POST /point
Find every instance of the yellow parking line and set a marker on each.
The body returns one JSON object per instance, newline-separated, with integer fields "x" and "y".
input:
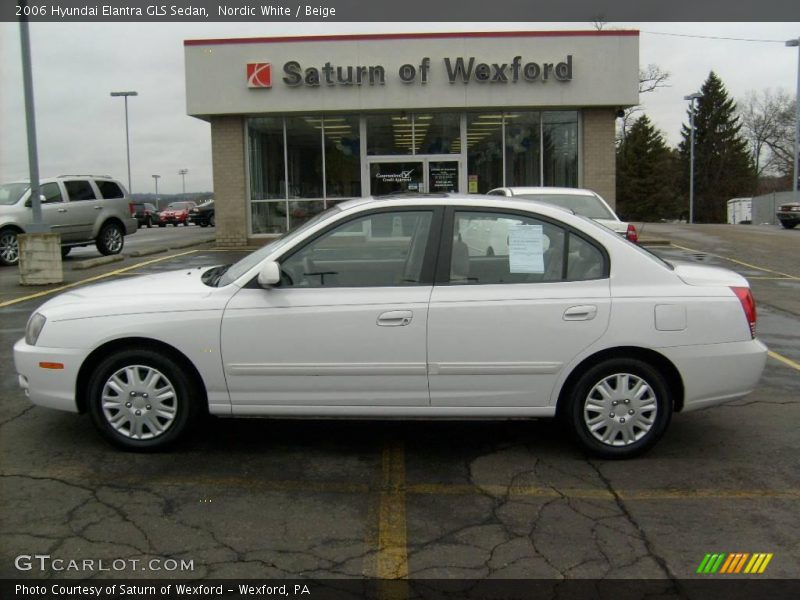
{"x": 392, "y": 559}
{"x": 787, "y": 361}
{"x": 91, "y": 279}
{"x": 738, "y": 262}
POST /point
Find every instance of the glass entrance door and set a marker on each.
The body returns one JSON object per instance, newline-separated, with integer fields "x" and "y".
{"x": 408, "y": 175}
{"x": 393, "y": 177}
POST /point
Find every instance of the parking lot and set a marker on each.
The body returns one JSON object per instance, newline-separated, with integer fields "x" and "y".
{"x": 472, "y": 500}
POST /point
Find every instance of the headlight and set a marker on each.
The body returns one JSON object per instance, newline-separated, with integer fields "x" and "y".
{"x": 34, "y": 328}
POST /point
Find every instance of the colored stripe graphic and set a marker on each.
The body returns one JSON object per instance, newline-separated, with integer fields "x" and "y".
{"x": 733, "y": 563}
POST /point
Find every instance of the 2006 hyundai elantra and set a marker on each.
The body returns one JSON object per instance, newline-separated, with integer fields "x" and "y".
{"x": 406, "y": 307}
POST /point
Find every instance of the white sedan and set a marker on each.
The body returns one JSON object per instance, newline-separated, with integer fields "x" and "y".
{"x": 381, "y": 309}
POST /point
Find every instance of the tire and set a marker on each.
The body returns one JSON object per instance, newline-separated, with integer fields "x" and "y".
{"x": 212, "y": 221}
{"x": 111, "y": 239}
{"x": 789, "y": 224}
{"x": 186, "y": 223}
{"x": 162, "y": 224}
{"x": 149, "y": 222}
{"x": 65, "y": 250}
{"x": 175, "y": 224}
{"x": 9, "y": 247}
{"x": 203, "y": 224}
{"x": 139, "y": 375}
{"x": 635, "y": 387}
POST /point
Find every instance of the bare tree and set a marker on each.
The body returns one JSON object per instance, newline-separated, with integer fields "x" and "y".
{"x": 768, "y": 121}
{"x": 651, "y": 78}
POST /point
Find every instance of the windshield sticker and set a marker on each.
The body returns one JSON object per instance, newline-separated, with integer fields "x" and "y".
{"x": 526, "y": 249}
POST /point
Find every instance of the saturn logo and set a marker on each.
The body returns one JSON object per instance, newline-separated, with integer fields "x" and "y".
{"x": 259, "y": 75}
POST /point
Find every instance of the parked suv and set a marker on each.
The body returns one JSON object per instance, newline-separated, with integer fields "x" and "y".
{"x": 789, "y": 214}
{"x": 145, "y": 213}
{"x": 84, "y": 209}
{"x": 203, "y": 214}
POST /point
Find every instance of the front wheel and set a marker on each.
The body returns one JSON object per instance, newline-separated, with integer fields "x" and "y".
{"x": 212, "y": 221}
{"x": 141, "y": 399}
{"x": 149, "y": 222}
{"x": 619, "y": 408}
{"x": 789, "y": 224}
{"x": 9, "y": 247}
{"x": 111, "y": 239}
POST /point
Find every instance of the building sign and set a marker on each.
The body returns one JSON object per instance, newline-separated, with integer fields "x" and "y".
{"x": 259, "y": 75}
{"x": 458, "y": 70}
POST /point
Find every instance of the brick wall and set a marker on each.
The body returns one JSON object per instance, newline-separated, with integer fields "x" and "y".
{"x": 599, "y": 157}
{"x": 227, "y": 153}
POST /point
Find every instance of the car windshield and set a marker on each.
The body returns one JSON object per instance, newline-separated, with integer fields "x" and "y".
{"x": 179, "y": 206}
{"x": 11, "y": 192}
{"x": 231, "y": 273}
{"x": 584, "y": 205}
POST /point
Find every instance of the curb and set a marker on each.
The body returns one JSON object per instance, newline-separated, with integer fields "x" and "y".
{"x": 96, "y": 262}
{"x": 137, "y": 253}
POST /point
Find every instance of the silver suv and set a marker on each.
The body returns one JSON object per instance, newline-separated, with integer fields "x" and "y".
{"x": 84, "y": 209}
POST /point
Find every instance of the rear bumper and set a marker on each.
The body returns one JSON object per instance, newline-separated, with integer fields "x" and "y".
{"x": 53, "y": 388}
{"x": 717, "y": 373}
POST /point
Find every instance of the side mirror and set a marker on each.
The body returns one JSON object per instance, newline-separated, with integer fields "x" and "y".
{"x": 269, "y": 275}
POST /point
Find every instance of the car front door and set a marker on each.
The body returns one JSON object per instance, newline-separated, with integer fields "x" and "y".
{"x": 82, "y": 207}
{"x": 347, "y": 325}
{"x": 516, "y": 299}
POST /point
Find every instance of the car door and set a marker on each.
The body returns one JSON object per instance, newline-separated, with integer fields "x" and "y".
{"x": 55, "y": 212}
{"x": 347, "y": 325}
{"x": 82, "y": 207}
{"x": 516, "y": 299}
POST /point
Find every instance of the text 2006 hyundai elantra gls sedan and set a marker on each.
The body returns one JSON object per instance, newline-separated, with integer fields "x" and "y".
{"x": 409, "y": 307}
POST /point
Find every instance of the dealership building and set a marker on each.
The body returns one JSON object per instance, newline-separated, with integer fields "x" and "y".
{"x": 301, "y": 123}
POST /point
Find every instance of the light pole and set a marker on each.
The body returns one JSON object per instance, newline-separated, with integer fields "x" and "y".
{"x": 691, "y": 98}
{"x": 127, "y": 136}
{"x": 156, "y": 178}
{"x": 182, "y": 173}
{"x": 796, "y": 43}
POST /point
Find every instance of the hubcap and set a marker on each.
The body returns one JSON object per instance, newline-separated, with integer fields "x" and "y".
{"x": 620, "y": 410}
{"x": 9, "y": 247}
{"x": 139, "y": 402}
{"x": 113, "y": 239}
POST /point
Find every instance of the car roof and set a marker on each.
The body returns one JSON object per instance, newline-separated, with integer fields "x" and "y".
{"x": 470, "y": 200}
{"x": 550, "y": 190}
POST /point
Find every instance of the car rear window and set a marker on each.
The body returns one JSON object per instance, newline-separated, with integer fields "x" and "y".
{"x": 109, "y": 189}
{"x": 584, "y": 205}
{"x": 79, "y": 190}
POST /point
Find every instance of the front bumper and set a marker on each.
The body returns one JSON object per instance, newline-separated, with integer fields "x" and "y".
{"x": 53, "y": 388}
{"x": 717, "y": 373}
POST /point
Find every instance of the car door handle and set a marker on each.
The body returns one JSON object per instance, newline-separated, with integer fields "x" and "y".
{"x": 395, "y": 318}
{"x": 62, "y": 210}
{"x": 98, "y": 208}
{"x": 585, "y": 312}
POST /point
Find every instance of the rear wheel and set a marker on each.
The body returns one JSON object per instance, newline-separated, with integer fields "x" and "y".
{"x": 619, "y": 408}
{"x": 149, "y": 222}
{"x": 789, "y": 224}
{"x": 111, "y": 239}
{"x": 65, "y": 250}
{"x": 212, "y": 221}
{"x": 141, "y": 399}
{"x": 9, "y": 247}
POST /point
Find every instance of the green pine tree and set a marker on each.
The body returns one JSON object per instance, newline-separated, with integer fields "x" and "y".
{"x": 723, "y": 166}
{"x": 646, "y": 170}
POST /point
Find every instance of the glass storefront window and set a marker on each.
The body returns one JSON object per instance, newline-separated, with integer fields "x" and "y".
{"x": 268, "y": 217}
{"x": 484, "y": 151}
{"x": 342, "y": 157}
{"x": 389, "y": 134}
{"x": 267, "y": 174}
{"x": 522, "y": 149}
{"x": 437, "y": 133}
{"x": 301, "y": 211}
{"x": 560, "y": 133}
{"x": 304, "y": 150}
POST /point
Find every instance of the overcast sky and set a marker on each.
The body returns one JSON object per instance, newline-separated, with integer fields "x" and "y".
{"x": 81, "y": 129}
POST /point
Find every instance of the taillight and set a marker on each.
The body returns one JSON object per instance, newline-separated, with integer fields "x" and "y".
{"x": 748, "y": 305}
{"x": 632, "y": 235}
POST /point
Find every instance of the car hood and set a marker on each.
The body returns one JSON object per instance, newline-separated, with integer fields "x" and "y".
{"x": 173, "y": 291}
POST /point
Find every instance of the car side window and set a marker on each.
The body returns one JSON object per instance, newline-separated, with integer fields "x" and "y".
{"x": 79, "y": 190}
{"x": 109, "y": 189}
{"x": 493, "y": 248}
{"x": 381, "y": 249}
{"x": 51, "y": 193}
{"x": 584, "y": 261}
